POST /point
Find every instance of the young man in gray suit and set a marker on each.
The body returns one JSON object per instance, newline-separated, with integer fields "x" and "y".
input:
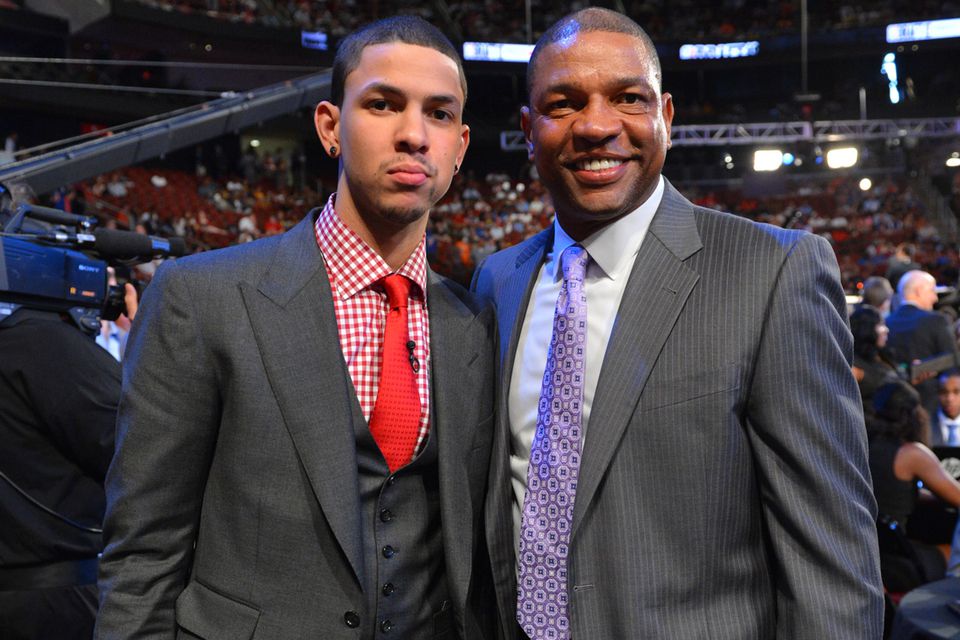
{"x": 294, "y": 456}
{"x": 680, "y": 450}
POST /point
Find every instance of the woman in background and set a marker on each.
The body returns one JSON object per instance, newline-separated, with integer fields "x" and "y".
{"x": 898, "y": 433}
{"x": 871, "y": 366}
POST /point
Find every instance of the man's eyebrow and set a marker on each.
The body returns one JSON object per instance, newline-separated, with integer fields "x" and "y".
{"x": 626, "y": 81}
{"x": 383, "y": 87}
{"x": 390, "y": 90}
{"x": 443, "y": 98}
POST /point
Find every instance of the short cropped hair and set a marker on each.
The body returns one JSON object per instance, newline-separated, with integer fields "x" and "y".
{"x": 406, "y": 29}
{"x": 946, "y": 375}
{"x": 586, "y": 21}
{"x": 876, "y": 291}
{"x": 908, "y": 249}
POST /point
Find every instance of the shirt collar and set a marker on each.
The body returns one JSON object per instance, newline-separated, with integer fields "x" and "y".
{"x": 353, "y": 265}
{"x": 944, "y": 420}
{"x": 614, "y": 247}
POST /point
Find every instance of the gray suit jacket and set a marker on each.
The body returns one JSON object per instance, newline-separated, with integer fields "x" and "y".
{"x": 724, "y": 488}
{"x": 233, "y": 508}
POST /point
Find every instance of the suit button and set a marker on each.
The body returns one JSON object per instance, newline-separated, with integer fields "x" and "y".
{"x": 388, "y": 589}
{"x": 386, "y": 626}
{"x": 388, "y": 551}
{"x": 351, "y": 619}
{"x": 391, "y": 480}
{"x": 386, "y": 515}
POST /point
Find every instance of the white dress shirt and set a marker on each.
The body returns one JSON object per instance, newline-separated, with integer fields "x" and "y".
{"x": 945, "y": 428}
{"x": 612, "y": 250}
{"x": 112, "y": 338}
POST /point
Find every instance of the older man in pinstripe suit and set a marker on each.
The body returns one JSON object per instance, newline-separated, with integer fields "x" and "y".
{"x": 681, "y": 451}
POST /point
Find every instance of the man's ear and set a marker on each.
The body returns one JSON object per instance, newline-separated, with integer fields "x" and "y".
{"x": 667, "y": 109}
{"x": 464, "y": 143}
{"x": 527, "y": 131}
{"x": 326, "y": 119}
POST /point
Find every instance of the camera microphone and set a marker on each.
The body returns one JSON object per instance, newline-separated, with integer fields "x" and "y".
{"x": 113, "y": 243}
{"x": 119, "y": 245}
{"x": 53, "y": 216}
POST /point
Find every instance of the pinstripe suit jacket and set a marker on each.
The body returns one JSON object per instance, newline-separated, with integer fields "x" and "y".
{"x": 724, "y": 488}
{"x": 233, "y": 498}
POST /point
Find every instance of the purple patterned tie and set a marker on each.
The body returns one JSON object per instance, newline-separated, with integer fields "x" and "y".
{"x": 555, "y": 463}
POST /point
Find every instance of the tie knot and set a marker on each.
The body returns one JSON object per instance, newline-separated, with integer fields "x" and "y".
{"x": 574, "y": 263}
{"x": 398, "y": 290}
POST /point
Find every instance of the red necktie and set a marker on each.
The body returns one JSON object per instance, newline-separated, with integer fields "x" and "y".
{"x": 395, "y": 421}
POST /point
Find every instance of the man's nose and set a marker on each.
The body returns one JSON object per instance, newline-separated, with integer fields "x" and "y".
{"x": 411, "y": 135}
{"x": 598, "y": 121}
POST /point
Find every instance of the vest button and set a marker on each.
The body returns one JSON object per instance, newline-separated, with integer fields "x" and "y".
{"x": 388, "y": 589}
{"x": 386, "y": 626}
{"x": 386, "y": 515}
{"x": 388, "y": 551}
{"x": 351, "y": 619}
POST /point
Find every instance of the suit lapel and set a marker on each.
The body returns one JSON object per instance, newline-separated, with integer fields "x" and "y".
{"x": 456, "y": 339}
{"x": 512, "y": 302}
{"x": 512, "y": 299}
{"x": 655, "y": 294}
{"x": 291, "y": 312}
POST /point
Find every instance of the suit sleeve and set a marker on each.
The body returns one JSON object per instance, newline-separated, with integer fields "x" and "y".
{"x": 942, "y": 335}
{"x": 804, "y": 418}
{"x": 166, "y": 430}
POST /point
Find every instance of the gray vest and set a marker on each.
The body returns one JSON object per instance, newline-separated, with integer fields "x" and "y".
{"x": 405, "y": 581}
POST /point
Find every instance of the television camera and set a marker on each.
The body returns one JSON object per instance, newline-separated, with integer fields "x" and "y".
{"x": 55, "y": 261}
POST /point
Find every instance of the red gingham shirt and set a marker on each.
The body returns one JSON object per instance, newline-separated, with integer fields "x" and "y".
{"x": 361, "y": 309}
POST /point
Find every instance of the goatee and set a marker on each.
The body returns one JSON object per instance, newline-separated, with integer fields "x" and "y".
{"x": 403, "y": 216}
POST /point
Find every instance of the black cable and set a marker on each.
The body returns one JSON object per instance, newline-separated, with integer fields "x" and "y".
{"x": 47, "y": 509}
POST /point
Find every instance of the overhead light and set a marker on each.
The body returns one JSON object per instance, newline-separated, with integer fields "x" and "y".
{"x": 953, "y": 162}
{"x": 842, "y": 157}
{"x": 865, "y": 184}
{"x": 788, "y": 158}
{"x": 254, "y": 143}
{"x": 767, "y": 159}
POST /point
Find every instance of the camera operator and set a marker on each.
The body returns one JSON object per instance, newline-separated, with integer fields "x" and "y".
{"x": 113, "y": 333}
{"x": 59, "y": 392}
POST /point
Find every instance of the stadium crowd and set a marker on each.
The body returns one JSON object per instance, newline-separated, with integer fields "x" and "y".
{"x": 484, "y": 213}
{"x": 503, "y": 20}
